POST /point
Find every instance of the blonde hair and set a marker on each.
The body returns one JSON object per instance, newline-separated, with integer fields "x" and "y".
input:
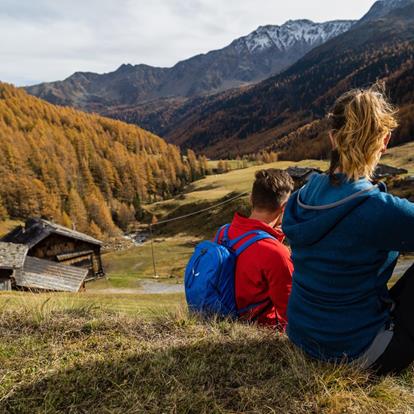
{"x": 360, "y": 120}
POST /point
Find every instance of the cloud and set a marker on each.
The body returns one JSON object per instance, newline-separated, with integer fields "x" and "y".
{"x": 47, "y": 40}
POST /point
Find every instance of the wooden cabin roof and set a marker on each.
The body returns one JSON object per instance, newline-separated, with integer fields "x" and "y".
{"x": 47, "y": 275}
{"x": 36, "y": 230}
{"x": 12, "y": 255}
{"x": 383, "y": 171}
{"x": 300, "y": 173}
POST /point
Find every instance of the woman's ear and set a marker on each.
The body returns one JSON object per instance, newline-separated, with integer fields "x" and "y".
{"x": 332, "y": 139}
{"x": 386, "y": 142}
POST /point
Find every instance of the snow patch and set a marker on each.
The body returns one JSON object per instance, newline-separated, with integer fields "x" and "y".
{"x": 291, "y": 34}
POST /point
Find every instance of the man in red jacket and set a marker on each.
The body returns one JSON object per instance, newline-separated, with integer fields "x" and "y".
{"x": 264, "y": 270}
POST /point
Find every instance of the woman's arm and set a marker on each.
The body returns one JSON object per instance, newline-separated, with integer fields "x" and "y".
{"x": 393, "y": 223}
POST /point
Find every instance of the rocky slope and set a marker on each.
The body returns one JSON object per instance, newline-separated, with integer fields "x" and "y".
{"x": 243, "y": 121}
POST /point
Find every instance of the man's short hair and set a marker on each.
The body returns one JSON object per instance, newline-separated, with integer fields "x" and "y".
{"x": 271, "y": 188}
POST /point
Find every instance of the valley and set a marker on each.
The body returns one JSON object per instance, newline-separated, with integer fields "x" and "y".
{"x": 174, "y": 242}
{"x": 113, "y": 179}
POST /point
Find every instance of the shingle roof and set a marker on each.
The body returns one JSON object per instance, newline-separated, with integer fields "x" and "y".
{"x": 383, "y": 171}
{"x": 43, "y": 274}
{"x": 36, "y": 230}
{"x": 301, "y": 172}
{"x": 12, "y": 255}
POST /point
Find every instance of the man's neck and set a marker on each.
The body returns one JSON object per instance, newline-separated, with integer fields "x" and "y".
{"x": 266, "y": 217}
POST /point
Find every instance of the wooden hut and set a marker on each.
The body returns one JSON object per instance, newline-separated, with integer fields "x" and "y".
{"x": 53, "y": 242}
{"x": 386, "y": 171}
{"x": 38, "y": 274}
{"x": 301, "y": 174}
{"x": 12, "y": 257}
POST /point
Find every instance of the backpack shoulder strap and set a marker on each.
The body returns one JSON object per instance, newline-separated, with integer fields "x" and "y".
{"x": 258, "y": 235}
{"x": 225, "y": 237}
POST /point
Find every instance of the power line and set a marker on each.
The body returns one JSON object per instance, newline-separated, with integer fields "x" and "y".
{"x": 199, "y": 211}
{"x": 183, "y": 217}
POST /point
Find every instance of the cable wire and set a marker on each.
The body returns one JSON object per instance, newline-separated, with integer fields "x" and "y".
{"x": 199, "y": 211}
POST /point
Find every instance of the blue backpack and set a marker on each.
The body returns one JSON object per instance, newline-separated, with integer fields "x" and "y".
{"x": 210, "y": 274}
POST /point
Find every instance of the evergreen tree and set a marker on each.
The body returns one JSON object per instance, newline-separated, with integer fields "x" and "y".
{"x": 136, "y": 203}
{"x": 77, "y": 211}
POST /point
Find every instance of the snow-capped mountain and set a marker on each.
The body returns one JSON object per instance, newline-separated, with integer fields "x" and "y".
{"x": 292, "y": 33}
{"x": 259, "y": 55}
{"x": 382, "y": 7}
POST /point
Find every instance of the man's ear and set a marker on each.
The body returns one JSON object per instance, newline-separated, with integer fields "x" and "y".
{"x": 283, "y": 206}
{"x": 332, "y": 139}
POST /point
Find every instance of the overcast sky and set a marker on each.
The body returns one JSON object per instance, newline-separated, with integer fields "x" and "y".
{"x": 46, "y": 40}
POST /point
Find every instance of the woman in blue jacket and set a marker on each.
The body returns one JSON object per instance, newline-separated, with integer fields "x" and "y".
{"x": 346, "y": 235}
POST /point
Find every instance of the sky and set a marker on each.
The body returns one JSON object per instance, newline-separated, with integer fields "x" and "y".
{"x": 47, "y": 40}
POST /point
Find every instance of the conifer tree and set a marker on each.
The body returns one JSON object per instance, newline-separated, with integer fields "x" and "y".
{"x": 77, "y": 211}
{"x": 56, "y": 160}
{"x": 136, "y": 202}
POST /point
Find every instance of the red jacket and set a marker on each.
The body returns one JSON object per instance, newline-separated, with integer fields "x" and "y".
{"x": 263, "y": 271}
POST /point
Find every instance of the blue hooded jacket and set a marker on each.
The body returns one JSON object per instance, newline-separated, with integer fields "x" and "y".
{"x": 345, "y": 242}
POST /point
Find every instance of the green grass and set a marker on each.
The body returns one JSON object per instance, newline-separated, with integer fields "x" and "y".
{"x": 66, "y": 358}
{"x": 126, "y": 268}
{"x": 215, "y": 187}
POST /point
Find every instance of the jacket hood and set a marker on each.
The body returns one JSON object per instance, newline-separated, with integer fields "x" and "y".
{"x": 314, "y": 210}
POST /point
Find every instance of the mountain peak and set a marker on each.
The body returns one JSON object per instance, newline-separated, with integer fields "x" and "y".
{"x": 382, "y": 7}
{"x": 290, "y": 34}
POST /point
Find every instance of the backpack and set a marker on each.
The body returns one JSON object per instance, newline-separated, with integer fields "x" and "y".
{"x": 210, "y": 274}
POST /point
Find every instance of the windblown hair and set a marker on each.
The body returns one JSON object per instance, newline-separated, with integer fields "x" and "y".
{"x": 360, "y": 120}
{"x": 271, "y": 188}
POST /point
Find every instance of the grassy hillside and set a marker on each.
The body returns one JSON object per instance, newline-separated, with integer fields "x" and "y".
{"x": 215, "y": 187}
{"x": 82, "y": 358}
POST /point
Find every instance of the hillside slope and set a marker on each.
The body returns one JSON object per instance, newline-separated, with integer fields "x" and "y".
{"x": 248, "y": 120}
{"x": 80, "y": 169}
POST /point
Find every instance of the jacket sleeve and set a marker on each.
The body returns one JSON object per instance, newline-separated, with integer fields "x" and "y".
{"x": 279, "y": 278}
{"x": 393, "y": 223}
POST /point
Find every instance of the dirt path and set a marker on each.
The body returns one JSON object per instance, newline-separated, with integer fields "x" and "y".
{"x": 149, "y": 287}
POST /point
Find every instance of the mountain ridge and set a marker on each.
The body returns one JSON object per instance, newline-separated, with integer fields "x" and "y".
{"x": 250, "y": 120}
{"x": 249, "y": 59}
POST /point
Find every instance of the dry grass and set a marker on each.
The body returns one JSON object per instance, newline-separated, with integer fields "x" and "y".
{"x": 82, "y": 359}
{"x": 401, "y": 157}
{"x": 8, "y": 225}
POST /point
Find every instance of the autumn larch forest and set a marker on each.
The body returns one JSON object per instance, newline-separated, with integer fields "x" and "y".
{"x": 82, "y": 170}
